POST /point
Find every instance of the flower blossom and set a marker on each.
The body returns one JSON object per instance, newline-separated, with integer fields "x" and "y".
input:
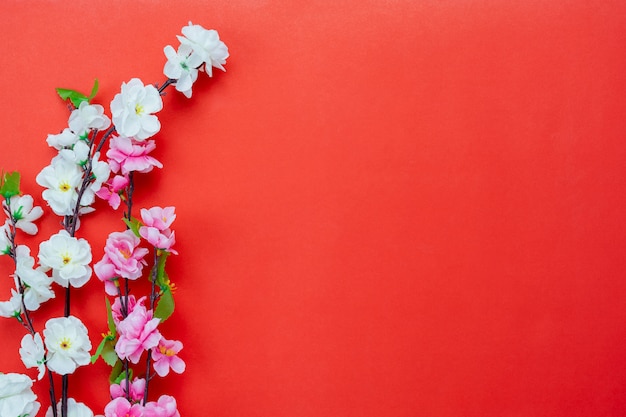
{"x": 86, "y": 117}
{"x": 68, "y": 257}
{"x": 133, "y": 109}
{"x": 182, "y": 66}
{"x": 156, "y": 229}
{"x": 123, "y": 256}
{"x": 17, "y": 397}
{"x": 127, "y": 155}
{"x": 68, "y": 344}
{"x": 207, "y": 45}
{"x": 37, "y": 284}
{"x": 137, "y": 389}
{"x": 137, "y": 332}
{"x": 32, "y": 353}
{"x": 13, "y": 307}
{"x": 116, "y": 307}
{"x": 164, "y": 407}
{"x": 120, "y": 407}
{"x": 165, "y": 357}
{"x": 74, "y": 409}
{"x": 111, "y": 192}
{"x": 61, "y": 179}
{"x": 5, "y": 241}
{"x": 65, "y": 139}
{"x": 25, "y": 213}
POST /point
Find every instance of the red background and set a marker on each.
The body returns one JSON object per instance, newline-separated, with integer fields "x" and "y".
{"x": 385, "y": 208}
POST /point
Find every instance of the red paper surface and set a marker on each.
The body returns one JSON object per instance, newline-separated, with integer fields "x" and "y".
{"x": 391, "y": 208}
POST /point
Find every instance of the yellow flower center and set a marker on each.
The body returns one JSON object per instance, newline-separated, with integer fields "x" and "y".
{"x": 66, "y": 259}
{"x": 165, "y": 351}
{"x": 65, "y": 343}
{"x": 125, "y": 253}
{"x": 64, "y": 186}
{"x": 138, "y": 109}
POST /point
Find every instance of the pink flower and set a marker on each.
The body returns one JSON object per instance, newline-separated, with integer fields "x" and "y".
{"x": 137, "y": 332}
{"x": 161, "y": 218}
{"x": 137, "y": 388}
{"x": 165, "y": 357}
{"x": 127, "y": 155}
{"x": 161, "y": 240}
{"x": 112, "y": 190}
{"x": 122, "y": 252}
{"x": 116, "y": 308}
{"x": 105, "y": 271}
{"x": 120, "y": 407}
{"x": 164, "y": 407}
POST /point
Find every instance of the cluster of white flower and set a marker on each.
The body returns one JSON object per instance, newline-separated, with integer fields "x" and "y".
{"x": 72, "y": 180}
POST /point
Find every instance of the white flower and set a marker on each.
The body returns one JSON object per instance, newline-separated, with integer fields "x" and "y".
{"x": 24, "y": 213}
{"x": 16, "y": 396}
{"x": 74, "y": 409}
{"x": 37, "y": 283}
{"x": 65, "y": 139}
{"x": 207, "y": 44}
{"x": 78, "y": 154}
{"x": 182, "y": 66}
{"x": 68, "y": 344}
{"x": 11, "y": 308}
{"x": 68, "y": 257}
{"x": 88, "y": 116}
{"x": 32, "y": 353}
{"x": 61, "y": 180}
{"x": 132, "y": 110}
{"x": 5, "y": 242}
{"x": 100, "y": 171}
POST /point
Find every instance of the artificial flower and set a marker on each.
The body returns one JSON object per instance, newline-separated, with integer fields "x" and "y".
{"x": 160, "y": 240}
{"x": 159, "y": 218}
{"x": 165, "y": 356}
{"x": 37, "y": 284}
{"x": 16, "y": 396}
{"x": 61, "y": 179}
{"x": 133, "y": 109}
{"x": 120, "y": 407}
{"x": 164, "y": 407}
{"x": 13, "y": 307}
{"x": 182, "y": 66}
{"x": 65, "y": 139}
{"x": 130, "y": 302}
{"x": 68, "y": 344}
{"x": 127, "y": 155}
{"x": 207, "y": 45}
{"x": 5, "y": 241}
{"x": 112, "y": 190}
{"x": 77, "y": 154}
{"x": 86, "y": 117}
{"x": 25, "y": 213}
{"x": 68, "y": 257}
{"x": 74, "y": 409}
{"x": 122, "y": 251}
{"x": 137, "y": 333}
{"x": 32, "y": 353}
{"x": 137, "y": 389}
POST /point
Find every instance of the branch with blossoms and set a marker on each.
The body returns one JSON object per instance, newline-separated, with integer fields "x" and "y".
{"x": 80, "y": 172}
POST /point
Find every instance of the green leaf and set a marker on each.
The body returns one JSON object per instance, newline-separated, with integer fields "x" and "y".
{"x": 122, "y": 376}
{"x": 112, "y": 329}
{"x": 94, "y": 89}
{"x": 72, "y": 95}
{"x": 162, "y": 278}
{"x": 165, "y": 306}
{"x": 96, "y": 355}
{"x": 10, "y": 184}
{"x": 108, "y": 352}
{"x": 118, "y": 369}
{"x": 133, "y": 224}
